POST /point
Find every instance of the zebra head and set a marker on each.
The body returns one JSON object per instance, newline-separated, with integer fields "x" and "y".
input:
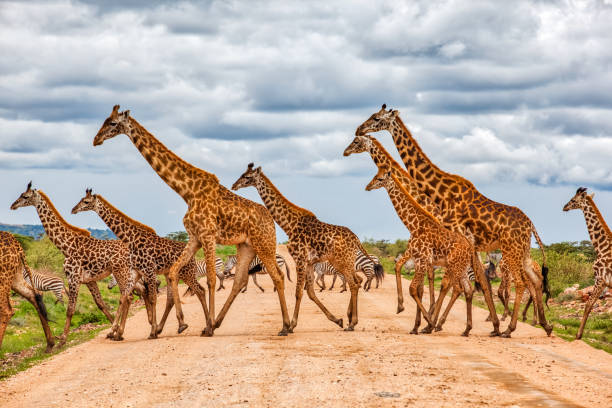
{"x": 381, "y": 120}
{"x": 27, "y": 198}
{"x": 87, "y": 203}
{"x": 249, "y": 178}
{"x": 382, "y": 179}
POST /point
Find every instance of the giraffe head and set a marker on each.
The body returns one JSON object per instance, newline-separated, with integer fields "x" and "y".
{"x": 116, "y": 124}
{"x": 380, "y": 120}
{"x": 579, "y": 201}
{"x": 360, "y": 144}
{"x": 27, "y": 198}
{"x": 87, "y": 203}
{"x": 248, "y": 178}
{"x": 381, "y": 179}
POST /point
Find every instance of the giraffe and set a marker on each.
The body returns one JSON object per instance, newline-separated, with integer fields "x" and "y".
{"x": 12, "y": 266}
{"x": 430, "y": 243}
{"x": 150, "y": 254}
{"x": 600, "y": 237}
{"x": 214, "y": 214}
{"x": 86, "y": 261}
{"x": 491, "y": 225}
{"x": 382, "y": 159}
{"x": 310, "y": 241}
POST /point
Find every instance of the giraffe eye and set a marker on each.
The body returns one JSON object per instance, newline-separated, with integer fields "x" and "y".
{"x": 113, "y": 123}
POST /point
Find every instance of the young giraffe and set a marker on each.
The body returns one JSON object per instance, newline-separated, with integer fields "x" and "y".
{"x": 12, "y": 265}
{"x": 382, "y": 159}
{"x": 491, "y": 225}
{"x": 601, "y": 236}
{"x": 86, "y": 261}
{"x": 214, "y": 214}
{"x": 150, "y": 254}
{"x": 430, "y": 243}
{"x": 310, "y": 241}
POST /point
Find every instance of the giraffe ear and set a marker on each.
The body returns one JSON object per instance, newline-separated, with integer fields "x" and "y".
{"x": 126, "y": 114}
{"x": 592, "y": 195}
{"x": 115, "y": 110}
{"x": 258, "y": 169}
{"x": 29, "y": 186}
{"x": 384, "y": 106}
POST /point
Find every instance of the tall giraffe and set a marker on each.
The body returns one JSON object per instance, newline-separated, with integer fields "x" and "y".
{"x": 310, "y": 241}
{"x": 86, "y": 261}
{"x": 12, "y": 266}
{"x": 601, "y": 236}
{"x": 491, "y": 225}
{"x": 430, "y": 243}
{"x": 149, "y": 253}
{"x": 214, "y": 214}
{"x": 382, "y": 159}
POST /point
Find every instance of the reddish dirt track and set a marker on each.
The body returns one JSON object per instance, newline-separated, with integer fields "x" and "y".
{"x": 380, "y": 364}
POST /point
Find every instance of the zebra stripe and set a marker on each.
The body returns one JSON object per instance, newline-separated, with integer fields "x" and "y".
{"x": 325, "y": 268}
{"x": 46, "y": 282}
{"x": 256, "y": 265}
{"x": 370, "y": 266}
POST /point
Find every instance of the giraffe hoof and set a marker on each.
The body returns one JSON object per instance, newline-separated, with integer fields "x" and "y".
{"x": 153, "y": 336}
{"x": 340, "y": 323}
{"x": 466, "y": 333}
{"x": 507, "y": 334}
{"x": 495, "y": 333}
{"x": 400, "y": 309}
{"x": 110, "y": 335}
{"x": 548, "y": 330}
{"x": 488, "y": 319}
{"x": 438, "y": 328}
{"x": 282, "y": 332}
{"x": 414, "y": 331}
{"x": 49, "y": 349}
{"x": 427, "y": 330}
{"x": 182, "y": 328}
{"x": 349, "y": 328}
{"x": 206, "y": 333}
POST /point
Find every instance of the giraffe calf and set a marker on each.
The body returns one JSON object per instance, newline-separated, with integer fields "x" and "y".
{"x": 430, "y": 243}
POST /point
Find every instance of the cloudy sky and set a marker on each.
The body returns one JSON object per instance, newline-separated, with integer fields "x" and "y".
{"x": 516, "y": 96}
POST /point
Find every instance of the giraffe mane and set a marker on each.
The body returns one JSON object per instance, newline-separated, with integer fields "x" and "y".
{"x": 432, "y": 164}
{"x": 289, "y": 203}
{"x": 71, "y": 227}
{"x": 599, "y": 216}
{"x": 413, "y": 201}
{"x": 125, "y": 216}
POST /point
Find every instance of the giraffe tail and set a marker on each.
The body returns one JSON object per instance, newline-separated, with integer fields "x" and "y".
{"x": 545, "y": 285}
{"x": 541, "y": 245}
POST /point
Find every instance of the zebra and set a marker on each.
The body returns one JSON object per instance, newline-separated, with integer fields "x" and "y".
{"x": 46, "y": 282}
{"x": 139, "y": 288}
{"x": 370, "y": 266}
{"x": 201, "y": 271}
{"x": 325, "y": 268}
{"x": 255, "y": 267}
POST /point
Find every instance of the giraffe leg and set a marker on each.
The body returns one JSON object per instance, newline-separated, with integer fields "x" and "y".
{"x": 343, "y": 279}
{"x": 169, "y": 306}
{"x": 190, "y": 249}
{"x": 518, "y": 295}
{"x": 313, "y": 296}
{"x": 526, "y": 308}
{"x": 599, "y": 287}
{"x": 6, "y": 312}
{"x": 208, "y": 246}
{"x": 504, "y": 295}
{"x": 150, "y": 297}
{"x": 246, "y": 284}
{"x": 431, "y": 276}
{"x": 25, "y": 291}
{"x": 536, "y": 283}
{"x": 270, "y": 265}
{"x": 398, "y": 282}
{"x": 416, "y": 291}
{"x": 73, "y": 292}
{"x": 482, "y": 279}
{"x": 353, "y": 304}
{"x": 444, "y": 288}
{"x": 300, "y": 271}
{"x": 95, "y": 293}
{"x": 245, "y": 254}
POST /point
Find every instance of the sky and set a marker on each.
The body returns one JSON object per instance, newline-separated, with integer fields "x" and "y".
{"x": 515, "y": 96}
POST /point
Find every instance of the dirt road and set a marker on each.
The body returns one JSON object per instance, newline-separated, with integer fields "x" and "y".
{"x": 380, "y": 364}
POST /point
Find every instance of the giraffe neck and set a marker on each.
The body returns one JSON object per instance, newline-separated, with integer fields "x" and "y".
{"x": 410, "y": 212}
{"x": 420, "y": 168}
{"x": 285, "y": 213}
{"x": 124, "y": 227}
{"x": 181, "y": 176}
{"x": 382, "y": 158}
{"x": 57, "y": 229}
{"x": 598, "y": 229}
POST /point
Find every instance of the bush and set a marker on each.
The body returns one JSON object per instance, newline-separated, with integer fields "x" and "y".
{"x": 566, "y": 269}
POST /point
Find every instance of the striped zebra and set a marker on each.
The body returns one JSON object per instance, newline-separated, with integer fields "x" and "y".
{"x": 201, "y": 271}
{"x": 139, "y": 288}
{"x": 325, "y": 268}
{"x": 46, "y": 282}
{"x": 255, "y": 267}
{"x": 369, "y": 265}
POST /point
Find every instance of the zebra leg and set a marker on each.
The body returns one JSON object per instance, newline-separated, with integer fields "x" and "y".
{"x": 255, "y": 282}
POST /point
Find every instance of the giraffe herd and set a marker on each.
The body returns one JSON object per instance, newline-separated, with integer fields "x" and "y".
{"x": 448, "y": 219}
